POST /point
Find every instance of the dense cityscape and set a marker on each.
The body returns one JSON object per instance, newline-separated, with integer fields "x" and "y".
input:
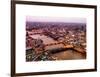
{"x": 55, "y": 41}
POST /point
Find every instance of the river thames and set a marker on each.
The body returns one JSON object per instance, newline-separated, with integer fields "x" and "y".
{"x": 63, "y": 55}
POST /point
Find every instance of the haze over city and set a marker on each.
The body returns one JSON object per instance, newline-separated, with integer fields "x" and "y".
{"x": 55, "y": 19}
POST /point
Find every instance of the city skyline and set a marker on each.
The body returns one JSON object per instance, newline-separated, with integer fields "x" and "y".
{"x": 47, "y": 40}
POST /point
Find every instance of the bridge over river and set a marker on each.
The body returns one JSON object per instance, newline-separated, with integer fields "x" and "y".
{"x": 62, "y": 49}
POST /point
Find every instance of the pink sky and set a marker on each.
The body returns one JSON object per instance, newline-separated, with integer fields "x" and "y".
{"x": 55, "y": 19}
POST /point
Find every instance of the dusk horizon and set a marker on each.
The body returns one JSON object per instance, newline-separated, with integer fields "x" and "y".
{"x": 56, "y": 19}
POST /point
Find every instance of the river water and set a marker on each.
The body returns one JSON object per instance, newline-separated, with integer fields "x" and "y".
{"x": 64, "y": 55}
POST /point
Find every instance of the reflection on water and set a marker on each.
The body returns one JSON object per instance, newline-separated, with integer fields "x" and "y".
{"x": 68, "y": 55}
{"x": 64, "y": 55}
